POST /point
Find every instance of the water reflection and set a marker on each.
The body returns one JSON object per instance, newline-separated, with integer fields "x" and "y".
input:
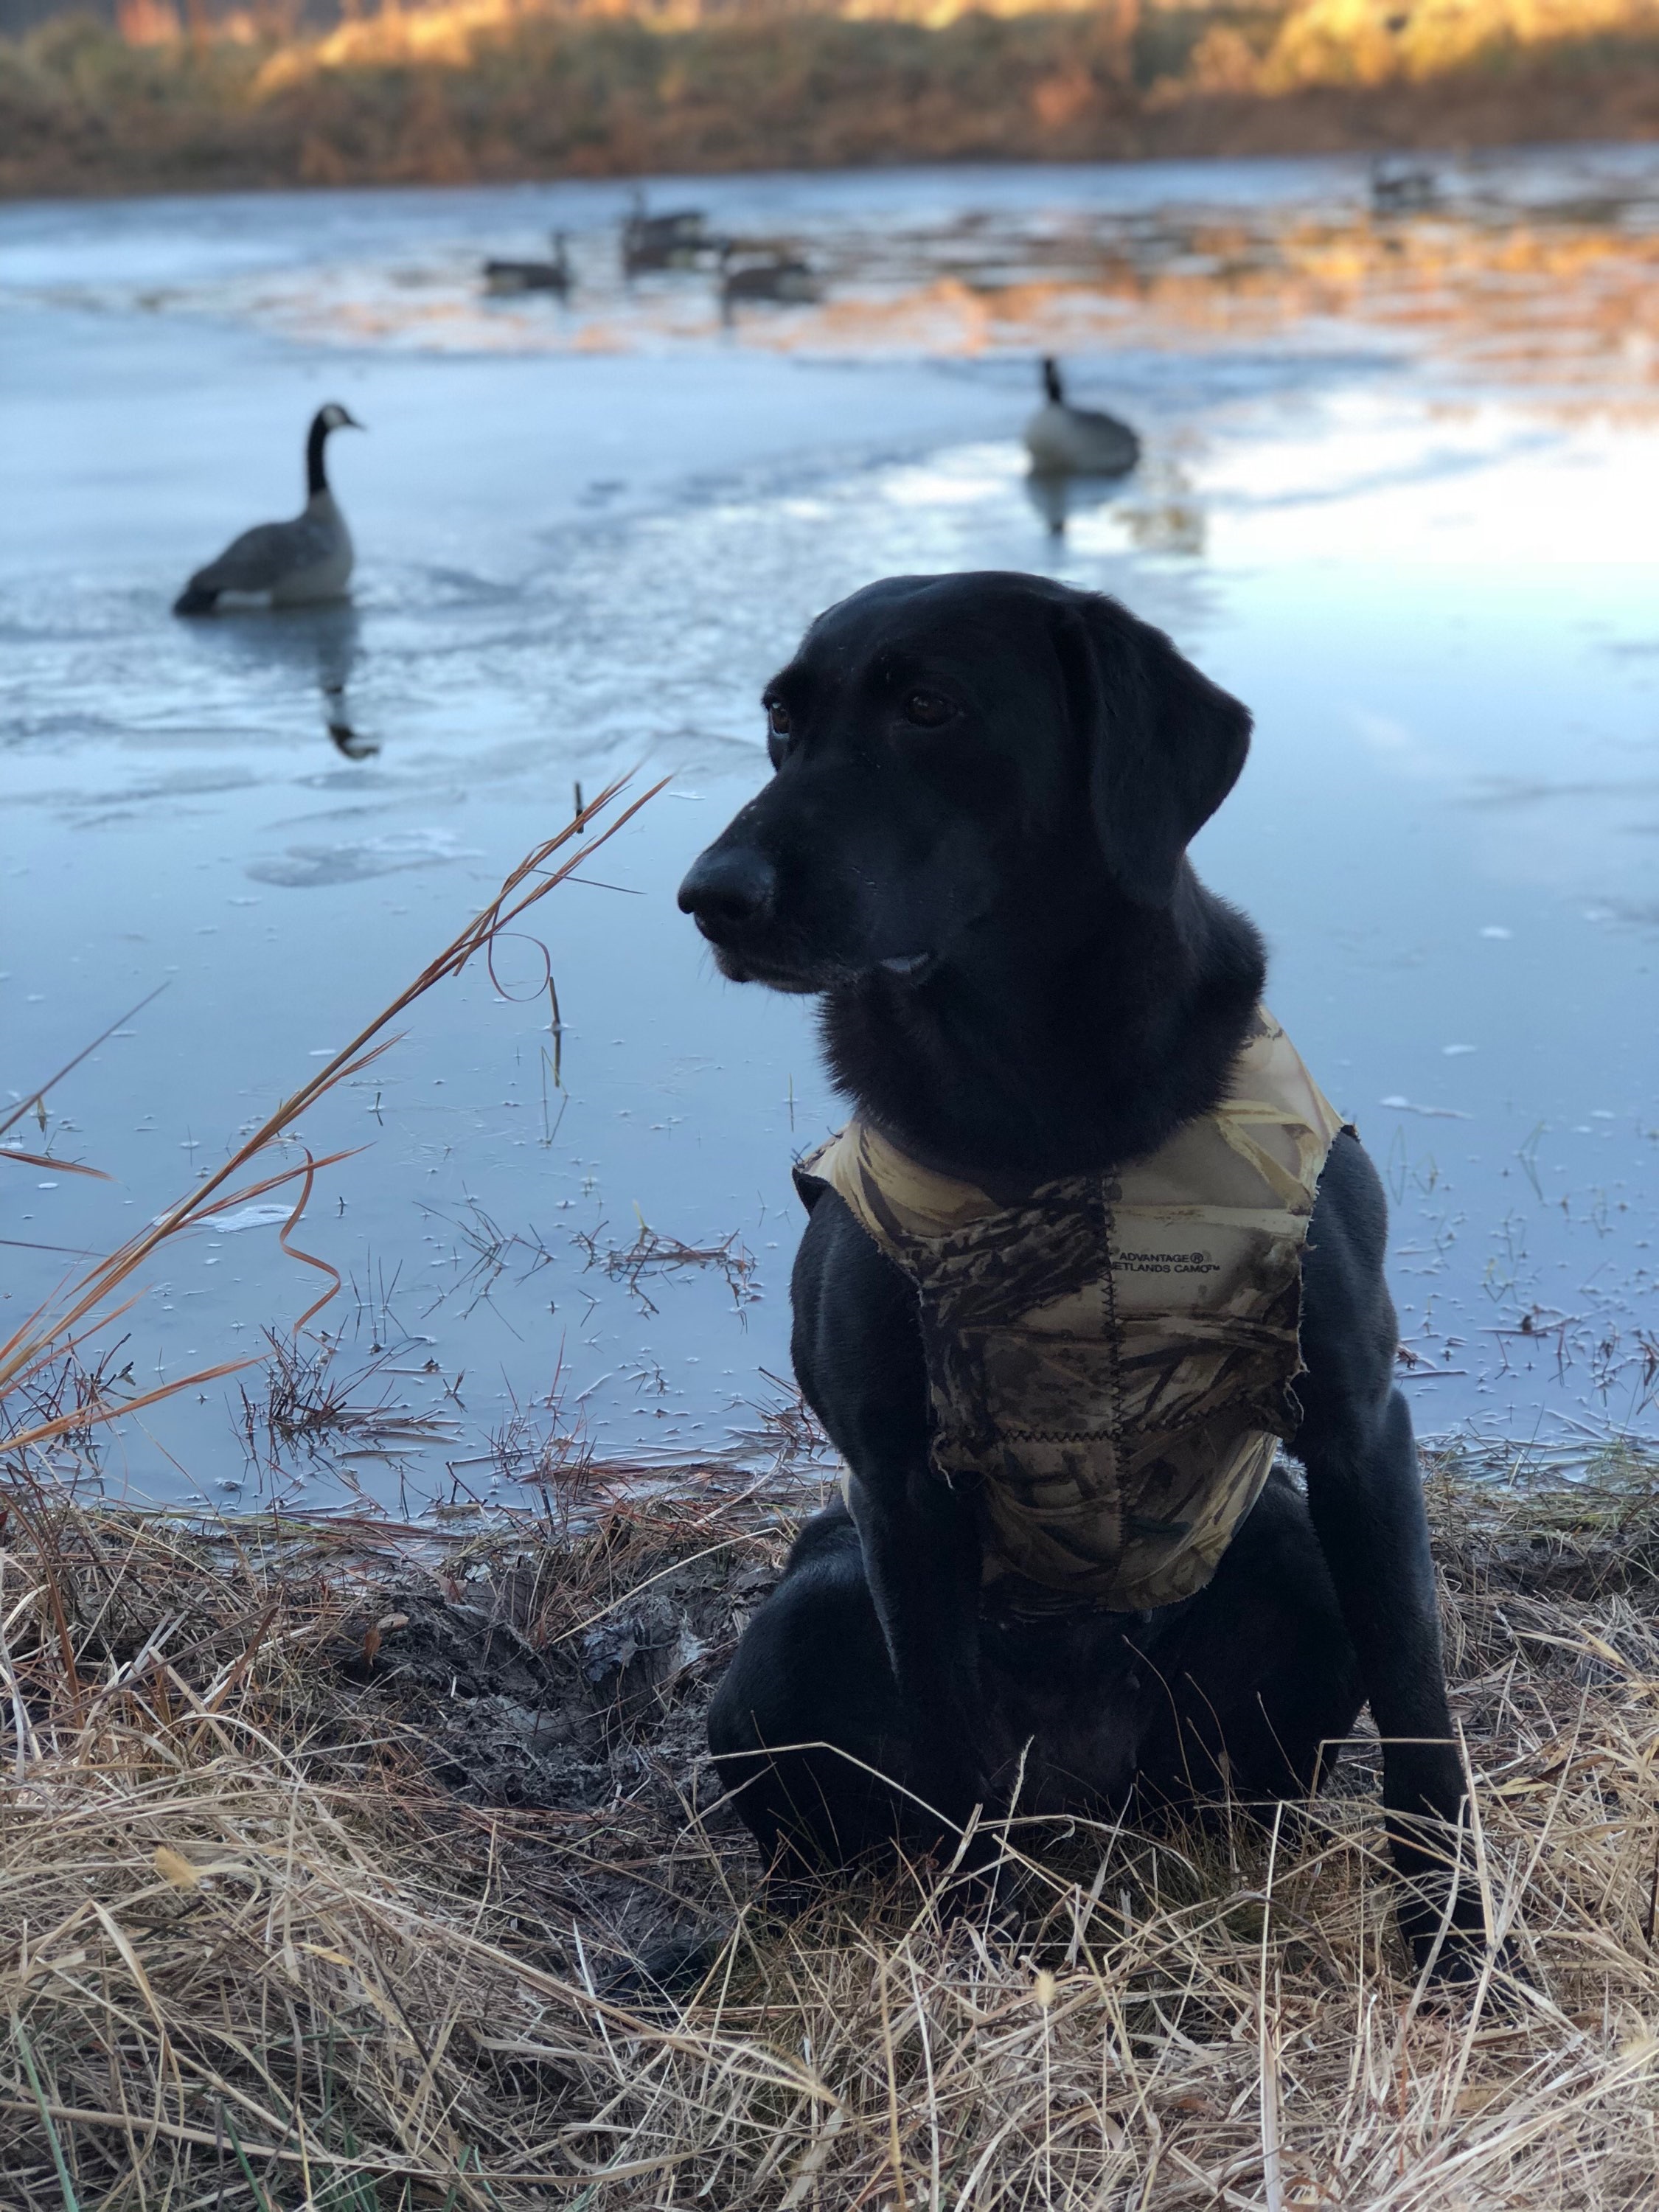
{"x": 336, "y": 633}
{"x": 1471, "y": 260}
{"x": 1438, "y": 606}
{"x": 316, "y": 646}
{"x": 1058, "y": 498}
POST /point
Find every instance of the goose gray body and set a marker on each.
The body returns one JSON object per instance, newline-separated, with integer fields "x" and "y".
{"x": 554, "y": 276}
{"x": 784, "y": 277}
{"x": 285, "y": 564}
{"x": 675, "y": 240}
{"x": 1399, "y": 188}
{"x": 1085, "y": 441}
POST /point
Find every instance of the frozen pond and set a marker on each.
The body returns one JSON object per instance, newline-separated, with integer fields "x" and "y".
{"x": 1398, "y": 494}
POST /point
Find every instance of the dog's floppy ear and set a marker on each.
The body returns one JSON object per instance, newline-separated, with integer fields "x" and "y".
{"x": 1164, "y": 745}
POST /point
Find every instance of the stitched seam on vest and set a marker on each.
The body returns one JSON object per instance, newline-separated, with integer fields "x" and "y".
{"x": 1056, "y": 1435}
{"x": 1114, "y": 1335}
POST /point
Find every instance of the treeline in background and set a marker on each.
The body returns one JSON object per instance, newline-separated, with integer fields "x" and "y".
{"x": 183, "y": 94}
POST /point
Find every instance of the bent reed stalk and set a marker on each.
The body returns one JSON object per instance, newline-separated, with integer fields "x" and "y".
{"x": 54, "y": 1330}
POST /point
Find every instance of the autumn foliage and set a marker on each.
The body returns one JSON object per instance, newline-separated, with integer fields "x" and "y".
{"x": 487, "y": 90}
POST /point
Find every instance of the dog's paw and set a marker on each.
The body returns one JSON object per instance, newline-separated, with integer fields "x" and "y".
{"x": 663, "y": 1973}
{"x": 1453, "y": 1964}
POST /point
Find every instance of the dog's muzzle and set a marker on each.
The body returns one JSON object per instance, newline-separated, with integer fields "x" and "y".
{"x": 730, "y": 891}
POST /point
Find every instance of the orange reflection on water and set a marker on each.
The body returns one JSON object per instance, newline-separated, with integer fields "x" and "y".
{"x": 1569, "y": 304}
{"x": 1562, "y": 300}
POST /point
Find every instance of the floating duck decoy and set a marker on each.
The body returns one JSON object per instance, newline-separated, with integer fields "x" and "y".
{"x": 1398, "y": 187}
{"x": 784, "y": 277}
{"x": 1084, "y": 441}
{"x": 554, "y": 276}
{"x": 676, "y": 240}
{"x": 285, "y": 564}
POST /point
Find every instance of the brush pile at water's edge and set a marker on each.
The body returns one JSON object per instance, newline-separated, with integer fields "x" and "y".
{"x": 327, "y": 1849}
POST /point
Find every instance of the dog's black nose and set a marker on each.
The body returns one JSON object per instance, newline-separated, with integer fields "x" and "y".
{"x": 728, "y": 890}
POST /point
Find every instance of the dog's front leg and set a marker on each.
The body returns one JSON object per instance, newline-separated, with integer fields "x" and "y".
{"x": 1365, "y": 1495}
{"x": 1366, "y": 1498}
{"x": 921, "y": 1556}
{"x": 858, "y": 1355}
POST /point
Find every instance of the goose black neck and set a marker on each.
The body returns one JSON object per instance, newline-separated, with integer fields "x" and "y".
{"x": 1051, "y": 383}
{"x": 316, "y": 473}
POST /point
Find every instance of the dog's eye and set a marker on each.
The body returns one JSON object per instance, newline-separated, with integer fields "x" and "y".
{"x": 927, "y": 710}
{"x": 777, "y": 718}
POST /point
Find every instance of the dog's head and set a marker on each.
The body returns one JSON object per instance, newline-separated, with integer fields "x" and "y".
{"x": 945, "y": 745}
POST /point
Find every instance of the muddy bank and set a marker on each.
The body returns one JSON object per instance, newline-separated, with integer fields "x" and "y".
{"x": 571, "y": 1682}
{"x": 326, "y": 1846}
{"x": 80, "y": 112}
{"x": 557, "y": 1680}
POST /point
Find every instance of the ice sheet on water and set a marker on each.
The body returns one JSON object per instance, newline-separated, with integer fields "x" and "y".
{"x": 315, "y": 867}
{"x": 248, "y": 1216}
{"x": 1313, "y": 524}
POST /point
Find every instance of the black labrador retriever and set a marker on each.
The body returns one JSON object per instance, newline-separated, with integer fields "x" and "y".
{"x": 973, "y": 850}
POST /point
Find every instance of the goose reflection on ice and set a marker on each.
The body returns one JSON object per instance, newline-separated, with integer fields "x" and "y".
{"x": 334, "y": 639}
{"x": 1058, "y": 497}
{"x": 1166, "y": 520}
{"x": 317, "y": 645}
{"x": 334, "y": 660}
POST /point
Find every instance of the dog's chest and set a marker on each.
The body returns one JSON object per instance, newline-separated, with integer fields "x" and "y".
{"x": 1065, "y": 1741}
{"x": 1109, "y": 1363}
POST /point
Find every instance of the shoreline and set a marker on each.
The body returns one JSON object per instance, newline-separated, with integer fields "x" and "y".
{"x": 83, "y": 115}
{"x": 325, "y": 1860}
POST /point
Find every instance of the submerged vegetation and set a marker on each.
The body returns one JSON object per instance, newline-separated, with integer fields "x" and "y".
{"x": 478, "y": 89}
{"x": 330, "y": 1851}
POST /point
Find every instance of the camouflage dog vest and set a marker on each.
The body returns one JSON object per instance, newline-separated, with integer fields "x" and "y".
{"x": 1109, "y": 1361}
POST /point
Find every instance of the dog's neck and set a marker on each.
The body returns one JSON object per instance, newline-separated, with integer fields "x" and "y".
{"x": 1020, "y": 1059}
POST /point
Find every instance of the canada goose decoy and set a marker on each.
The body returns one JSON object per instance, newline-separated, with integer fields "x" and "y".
{"x": 285, "y": 564}
{"x": 552, "y": 276}
{"x": 1067, "y": 441}
{"x": 1398, "y": 187}
{"x": 779, "y": 277}
{"x": 676, "y": 240}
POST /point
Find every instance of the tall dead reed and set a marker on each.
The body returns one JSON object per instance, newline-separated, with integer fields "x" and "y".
{"x": 90, "y": 1303}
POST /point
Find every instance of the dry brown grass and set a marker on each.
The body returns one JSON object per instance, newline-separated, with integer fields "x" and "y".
{"x": 266, "y": 1941}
